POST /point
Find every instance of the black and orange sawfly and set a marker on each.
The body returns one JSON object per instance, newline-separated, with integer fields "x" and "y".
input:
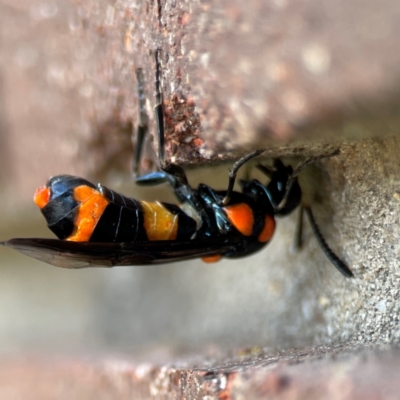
{"x": 96, "y": 226}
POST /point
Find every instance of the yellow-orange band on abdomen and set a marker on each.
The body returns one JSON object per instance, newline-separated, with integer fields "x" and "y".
{"x": 159, "y": 222}
{"x": 241, "y": 217}
{"x": 90, "y": 211}
{"x": 268, "y": 230}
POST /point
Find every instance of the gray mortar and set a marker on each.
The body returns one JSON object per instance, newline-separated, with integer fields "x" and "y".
{"x": 364, "y": 187}
{"x": 280, "y": 297}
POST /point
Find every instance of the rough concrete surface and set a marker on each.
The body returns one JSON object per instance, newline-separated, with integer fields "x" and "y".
{"x": 236, "y": 75}
{"x": 313, "y": 373}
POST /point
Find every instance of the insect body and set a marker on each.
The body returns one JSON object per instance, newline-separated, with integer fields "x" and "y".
{"x": 98, "y": 226}
{"x": 78, "y": 211}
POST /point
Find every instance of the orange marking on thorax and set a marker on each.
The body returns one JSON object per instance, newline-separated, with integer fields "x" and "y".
{"x": 242, "y": 218}
{"x": 159, "y": 222}
{"x": 268, "y": 230}
{"x": 211, "y": 259}
{"x": 41, "y": 196}
{"x": 90, "y": 211}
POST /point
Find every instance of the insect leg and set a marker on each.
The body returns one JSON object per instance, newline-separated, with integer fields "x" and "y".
{"x": 143, "y": 123}
{"x": 159, "y": 111}
{"x": 284, "y": 182}
{"x": 174, "y": 174}
{"x": 171, "y": 173}
{"x": 269, "y": 171}
{"x": 158, "y": 177}
{"x": 333, "y": 258}
{"x": 294, "y": 175}
{"x": 284, "y": 193}
{"x": 234, "y": 171}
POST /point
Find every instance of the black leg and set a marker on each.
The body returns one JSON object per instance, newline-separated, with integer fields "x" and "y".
{"x": 234, "y": 171}
{"x": 173, "y": 174}
{"x": 158, "y": 177}
{"x": 292, "y": 178}
{"x": 159, "y": 111}
{"x": 142, "y": 125}
{"x": 283, "y": 190}
{"x": 268, "y": 171}
{"x": 333, "y": 258}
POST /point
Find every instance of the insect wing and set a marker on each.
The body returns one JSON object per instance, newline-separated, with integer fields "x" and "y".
{"x": 76, "y": 255}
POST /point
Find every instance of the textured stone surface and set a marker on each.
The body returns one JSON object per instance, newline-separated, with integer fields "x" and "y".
{"x": 235, "y": 75}
{"x": 239, "y": 75}
{"x": 305, "y": 72}
{"x": 262, "y": 70}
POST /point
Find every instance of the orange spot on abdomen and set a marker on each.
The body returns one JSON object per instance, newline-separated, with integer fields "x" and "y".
{"x": 211, "y": 259}
{"x": 242, "y": 218}
{"x": 90, "y": 211}
{"x": 268, "y": 230}
{"x": 41, "y": 196}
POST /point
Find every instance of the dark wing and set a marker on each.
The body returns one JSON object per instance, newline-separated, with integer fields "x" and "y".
{"x": 77, "y": 255}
